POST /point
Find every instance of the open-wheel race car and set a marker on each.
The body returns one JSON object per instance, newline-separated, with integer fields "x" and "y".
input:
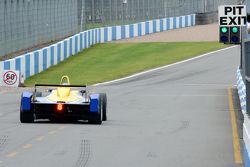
{"x": 63, "y": 102}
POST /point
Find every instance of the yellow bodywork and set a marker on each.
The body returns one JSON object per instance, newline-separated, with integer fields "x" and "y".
{"x": 64, "y": 94}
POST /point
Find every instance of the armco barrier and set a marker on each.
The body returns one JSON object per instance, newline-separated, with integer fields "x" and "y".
{"x": 246, "y": 125}
{"x": 241, "y": 91}
{"x": 39, "y": 60}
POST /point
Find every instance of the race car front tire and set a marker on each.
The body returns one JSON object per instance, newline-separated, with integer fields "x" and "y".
{"x": 96, "y": 117}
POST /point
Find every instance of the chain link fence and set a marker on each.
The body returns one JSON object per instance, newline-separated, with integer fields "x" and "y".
{"x": 30, "y": 24}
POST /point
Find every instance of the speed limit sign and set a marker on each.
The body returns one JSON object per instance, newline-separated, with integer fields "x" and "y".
{"x": 10, "y": 78}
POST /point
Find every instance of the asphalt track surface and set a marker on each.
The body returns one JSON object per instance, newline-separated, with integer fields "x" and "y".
{"x": 174, "y": 117}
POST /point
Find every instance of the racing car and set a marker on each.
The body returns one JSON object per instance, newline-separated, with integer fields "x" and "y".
{"x": 63, "y": 102}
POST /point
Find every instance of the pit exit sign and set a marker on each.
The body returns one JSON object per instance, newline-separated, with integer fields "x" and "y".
{"x": 232, "y": 15}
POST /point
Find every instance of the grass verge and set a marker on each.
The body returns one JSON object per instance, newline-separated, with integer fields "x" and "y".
{"x": 109, "y": 61}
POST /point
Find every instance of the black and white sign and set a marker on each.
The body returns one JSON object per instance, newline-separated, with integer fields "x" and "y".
{"x": 10, "y": 78}
{"x": 232, "y": 15}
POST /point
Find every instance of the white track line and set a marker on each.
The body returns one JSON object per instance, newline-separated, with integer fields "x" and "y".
{"x": 163, "y": 67}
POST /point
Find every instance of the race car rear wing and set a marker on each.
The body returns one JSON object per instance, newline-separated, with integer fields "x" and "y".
{"x": 67, "y": 86}
{"x": 84, "y": 91}
{"x": 64, "y": 86}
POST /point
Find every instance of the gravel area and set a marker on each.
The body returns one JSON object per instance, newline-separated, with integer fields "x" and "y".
{"x": 197, "y": 33}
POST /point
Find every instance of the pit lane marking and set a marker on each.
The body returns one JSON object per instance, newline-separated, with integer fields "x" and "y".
{"x": 40, "y": 138}
{"x": 12, "y": 154}
{"x": 27, "y": 146}
{"x": 61, "y": 127}
{"x": 236, "y": 143}
{"x": 52, "y": 132}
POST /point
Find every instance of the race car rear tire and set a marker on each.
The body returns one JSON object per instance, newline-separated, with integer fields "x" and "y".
{"x": 96, "y": 117}
{"x": 26, "y": 117}
{"x": 104, "y": 106}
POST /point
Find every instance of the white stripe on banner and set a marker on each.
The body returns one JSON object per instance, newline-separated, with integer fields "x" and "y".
{"x": 68, "y": 47}
{"x": 150, "y": 27}
{"x": 1, "y": 72}
{"x": 171, "y": 23}
{"x": 40, "y": 53}
{"x": 93, "y": 37}
{"x": 194, "y": 19}
{"x": 12, "y": 64}
{"x": 102, "y": 35}
{"x": 48, "y": 57}
{"x": 183, "y": 21}
{"x": 62, "y": 51}
{"x": 87, "y": 39}
{"x": 189, "y": 20}
{"x": 143, "y": 31}
{"x": 82, "y": 40}
{"x": 135, "y": 30}
{"x": 73, "y": 45}
{"x": 78, "y": 43}
{"x": 23, "y": 67}
{"x": 109, "y": 33}
{"x": 55, "y": 54}
{"x": 1, "y": 66}
{"x": 177, "y": 22}
{"x": 118, "y": 32}
{"x": 97, "y": 35}
{"x": 32, "y": 63}
{"x": 90, "y": 37}
{"x": 158, "y": 25}
{"x": 126, "y": 31}
{"x": 164, "y": 25}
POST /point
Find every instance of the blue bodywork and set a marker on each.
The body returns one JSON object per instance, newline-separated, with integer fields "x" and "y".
{"x": 26, "y": 101}
{"x": 94, "y": 102}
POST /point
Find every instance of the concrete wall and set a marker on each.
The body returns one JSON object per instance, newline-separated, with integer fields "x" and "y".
{"x": 37, "y": 61}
